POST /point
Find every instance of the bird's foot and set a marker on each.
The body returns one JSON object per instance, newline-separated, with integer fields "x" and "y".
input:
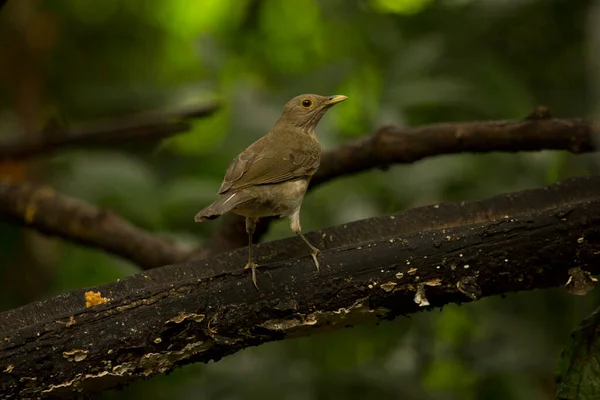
{"x": 313, "y": 253}
{"x": 252, "y": 265}
{"x": 313, "y": 250}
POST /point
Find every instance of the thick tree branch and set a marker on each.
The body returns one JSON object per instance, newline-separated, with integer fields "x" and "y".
{"x": 374, "y": 269}
{"x": 77, "y": 221}
{"x": 144, "y": 128}
{"x": 398, "y": 145}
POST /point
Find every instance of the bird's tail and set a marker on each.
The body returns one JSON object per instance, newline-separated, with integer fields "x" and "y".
{"x": 223, "y": 204}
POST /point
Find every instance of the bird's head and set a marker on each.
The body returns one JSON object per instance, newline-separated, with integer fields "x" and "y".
{"x": 306, "y": 110}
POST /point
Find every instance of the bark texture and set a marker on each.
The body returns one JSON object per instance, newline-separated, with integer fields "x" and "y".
{"x": 373, "y": 269}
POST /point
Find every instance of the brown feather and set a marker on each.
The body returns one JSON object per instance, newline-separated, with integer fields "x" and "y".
{"x": 272, "y": 159}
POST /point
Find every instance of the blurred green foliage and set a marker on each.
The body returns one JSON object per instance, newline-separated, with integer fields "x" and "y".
{"x": 579, "y": 372}
{"x": 400, "y": 62}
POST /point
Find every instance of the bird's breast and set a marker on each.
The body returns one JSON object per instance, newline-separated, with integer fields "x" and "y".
{"x": 280, "y": 199}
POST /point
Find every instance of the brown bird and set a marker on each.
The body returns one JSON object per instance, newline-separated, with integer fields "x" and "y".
{"x": 271, "y": 176}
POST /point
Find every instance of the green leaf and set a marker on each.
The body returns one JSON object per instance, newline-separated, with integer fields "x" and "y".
{"x": 407, "y": 7}
{"x": 579, "y": 372}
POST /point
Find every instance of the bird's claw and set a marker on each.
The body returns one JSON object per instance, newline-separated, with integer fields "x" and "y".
{"x": 252, "y": 265}
{"x": 314, "y": 254}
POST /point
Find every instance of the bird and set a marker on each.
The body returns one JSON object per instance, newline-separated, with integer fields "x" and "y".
{"x": 270, "y": 177}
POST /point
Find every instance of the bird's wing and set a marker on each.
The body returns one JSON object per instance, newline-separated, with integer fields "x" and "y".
{"x": 253, "y": 168}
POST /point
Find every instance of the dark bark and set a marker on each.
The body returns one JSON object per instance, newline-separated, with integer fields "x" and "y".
{"x": 400, "y": 145}
{"x": 370, "y": 270}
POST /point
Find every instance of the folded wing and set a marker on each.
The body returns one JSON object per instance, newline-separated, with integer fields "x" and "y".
{"x": 253, "y": 167}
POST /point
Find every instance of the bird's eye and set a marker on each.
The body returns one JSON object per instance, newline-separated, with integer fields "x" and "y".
{"x": 307, "y": 103}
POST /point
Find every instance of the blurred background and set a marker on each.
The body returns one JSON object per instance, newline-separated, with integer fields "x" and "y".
{"x": 405, "y": 62}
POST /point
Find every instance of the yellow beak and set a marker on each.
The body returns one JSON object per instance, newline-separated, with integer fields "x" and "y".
{"x": 338, "y": 98}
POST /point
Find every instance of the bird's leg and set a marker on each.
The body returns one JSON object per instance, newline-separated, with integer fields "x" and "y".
{"x": 295, "y": 225}
{"x": 250, "y": 226}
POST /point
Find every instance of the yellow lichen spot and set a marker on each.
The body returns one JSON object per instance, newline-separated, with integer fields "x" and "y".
{"x": 388, "y": 286}
{"x": 412, "y": 271}
{"x": 399, "y": 275}
{"x": 433, "y": 282}
{"x": 94, "y": 299}
{"x": 9, "y": 368}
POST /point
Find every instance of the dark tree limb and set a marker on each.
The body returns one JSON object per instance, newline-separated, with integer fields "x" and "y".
{"x": 374, "y": 269}
{"x": 397, "y": 145}
{"x": 402, "y": 145}
{"x": 141, "y": 128}
{"x": 79, "y": 222}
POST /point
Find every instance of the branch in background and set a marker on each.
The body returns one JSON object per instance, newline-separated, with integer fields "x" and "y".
{"x": 152, "y": 322}
{"x": 82, "y": 223}
{"x": 141, "y": 128}
{"x": 396, "y": 145}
